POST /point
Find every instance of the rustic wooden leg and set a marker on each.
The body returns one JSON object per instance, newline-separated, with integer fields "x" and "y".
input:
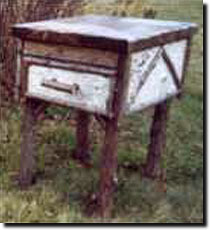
{"x": 27, "y": 163}
{"x": 81, "y": 152}
{"x": 108, "y": 168}
{"x": 109, "y": 151}
{"x": 157, "y": 142}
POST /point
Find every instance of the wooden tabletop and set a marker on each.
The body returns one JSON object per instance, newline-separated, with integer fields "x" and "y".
{"x": 117, "y": 34}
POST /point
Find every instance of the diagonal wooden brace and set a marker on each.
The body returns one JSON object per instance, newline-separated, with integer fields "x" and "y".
{"x": 171, "y": 69}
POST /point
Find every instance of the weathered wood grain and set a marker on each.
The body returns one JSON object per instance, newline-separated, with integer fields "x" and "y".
{"x": 78, "y": 54}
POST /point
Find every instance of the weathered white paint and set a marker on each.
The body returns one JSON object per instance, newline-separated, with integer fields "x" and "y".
{"x": 157, "y": 82}
{"x": 176, "y": 52}
{"x": 95, "y": 89}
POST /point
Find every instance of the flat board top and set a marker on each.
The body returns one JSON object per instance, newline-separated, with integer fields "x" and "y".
{"x": 105, "y": 32}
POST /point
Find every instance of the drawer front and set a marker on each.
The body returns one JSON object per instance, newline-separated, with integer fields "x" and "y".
{"x": 81, "y": 90}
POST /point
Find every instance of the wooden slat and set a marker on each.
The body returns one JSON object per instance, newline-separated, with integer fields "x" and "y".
{"x": 103, "y": 59}
{"x": 171, "y": 69}
{"x": 187, "y": 59}
{"x": 161, "y": 40}
{"x": 44, "y": 61}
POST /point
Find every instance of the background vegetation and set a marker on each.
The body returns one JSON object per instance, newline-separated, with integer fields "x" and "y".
{"x": 63, "y": 191}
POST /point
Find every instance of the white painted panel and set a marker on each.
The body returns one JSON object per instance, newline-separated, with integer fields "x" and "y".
{"x": 158, "y": 86}
{"x": 176, "y": 52}
{"x": 139, "y": 64}
{"x": 94, "y": 88}
{"x": 151, "y": 81}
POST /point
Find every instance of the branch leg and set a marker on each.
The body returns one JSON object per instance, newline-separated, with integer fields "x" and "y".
{"x": 27, "y": 159}
{"x": 81, "y": 152}
{"x": 108, "y": 169}
{"x": 157, "y": 141}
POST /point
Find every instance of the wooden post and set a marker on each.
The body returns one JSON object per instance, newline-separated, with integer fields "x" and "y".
{"x": 108, "y": 168}
{"x": 185, "y": 65}
{"x": 27, "y": 159}
{"x": 81, "y": 152}
{"x": 109, "y": 149}
{"x": 157, "y": 142}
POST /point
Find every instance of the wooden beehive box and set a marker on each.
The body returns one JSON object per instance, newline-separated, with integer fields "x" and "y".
{"x": 75, "y": 61}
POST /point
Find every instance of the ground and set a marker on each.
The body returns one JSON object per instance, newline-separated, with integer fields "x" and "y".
{"x": 64, "y": 189}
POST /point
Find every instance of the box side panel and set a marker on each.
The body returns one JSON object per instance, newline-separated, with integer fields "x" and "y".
{"x": 151, "y": 78}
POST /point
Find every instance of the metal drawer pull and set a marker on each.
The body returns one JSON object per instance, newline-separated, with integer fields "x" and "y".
{"x": 73, "y": 89}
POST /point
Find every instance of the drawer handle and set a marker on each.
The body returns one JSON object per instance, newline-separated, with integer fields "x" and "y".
{"x": 73, "y": 89}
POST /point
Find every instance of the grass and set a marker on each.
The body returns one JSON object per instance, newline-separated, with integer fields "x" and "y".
{"x": 63, "y": 188}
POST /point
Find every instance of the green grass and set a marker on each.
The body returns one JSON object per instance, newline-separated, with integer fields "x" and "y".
{"x": 63, "y": 188}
